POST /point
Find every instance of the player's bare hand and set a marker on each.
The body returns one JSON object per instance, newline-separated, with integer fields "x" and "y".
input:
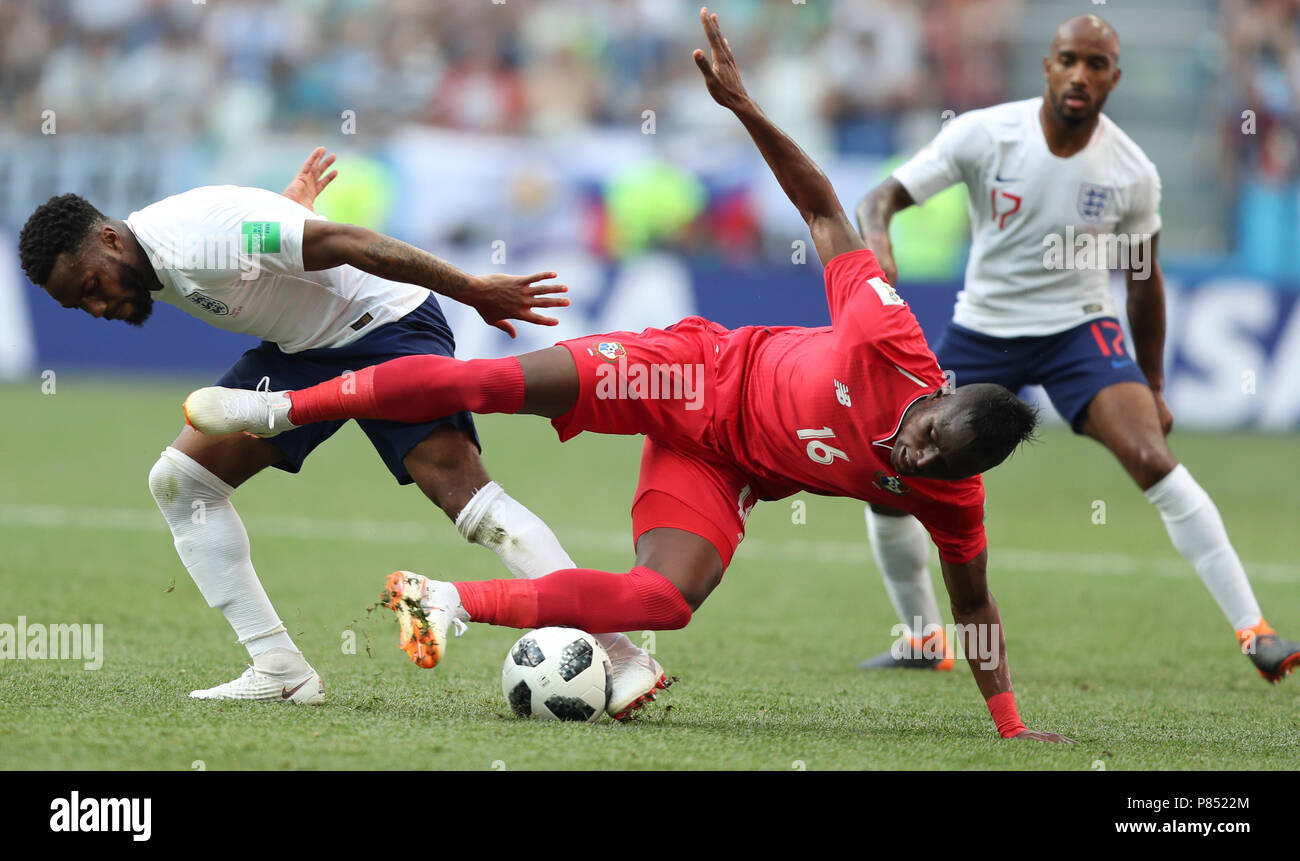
{"x": 499, "y": 298}
{"x": 1035, "y": 735}
{"x": 720, "y": 73}
{"x": 312, "y": 178}
{"x": 1166, "y": 415}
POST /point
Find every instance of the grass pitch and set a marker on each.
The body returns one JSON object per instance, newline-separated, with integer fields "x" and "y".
{"x": 1112, "y": 639}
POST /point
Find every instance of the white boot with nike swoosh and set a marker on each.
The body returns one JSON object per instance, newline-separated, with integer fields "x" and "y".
{"x": 279, "y": 675}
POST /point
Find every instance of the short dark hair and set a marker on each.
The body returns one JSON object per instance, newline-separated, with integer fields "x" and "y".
{"x": 60, "y": 224}
{"x": 999, "y": 422}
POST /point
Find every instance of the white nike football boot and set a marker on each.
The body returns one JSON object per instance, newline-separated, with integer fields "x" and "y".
{"x": 425, "y": 610}
{"x": 635, "y": 679}
{"x": 217, "y": 410}
{"x": 279, "y": 675}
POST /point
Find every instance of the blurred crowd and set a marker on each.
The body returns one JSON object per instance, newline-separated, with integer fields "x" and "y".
{"x": 523, "y": 66}
{"x": 849, "y": 79}
{"x": 1261, "y": 131}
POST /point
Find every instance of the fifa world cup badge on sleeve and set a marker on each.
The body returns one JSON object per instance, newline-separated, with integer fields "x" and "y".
{"x": 260, "y": 237}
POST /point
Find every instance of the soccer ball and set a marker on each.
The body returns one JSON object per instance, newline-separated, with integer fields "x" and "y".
{"x": 557, "y": 674}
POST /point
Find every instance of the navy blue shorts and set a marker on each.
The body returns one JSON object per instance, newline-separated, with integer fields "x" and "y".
{"x": 423, "y": 331}
{"x": 1073, "y": 366}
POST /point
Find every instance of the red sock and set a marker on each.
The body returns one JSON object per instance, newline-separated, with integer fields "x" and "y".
{"x": 582, "y": 598}
{"x": 414, "y": 389}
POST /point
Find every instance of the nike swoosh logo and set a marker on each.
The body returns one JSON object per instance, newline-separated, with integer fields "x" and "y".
{"x": 285, "y": 693}
{"x": 1000, "y": 178}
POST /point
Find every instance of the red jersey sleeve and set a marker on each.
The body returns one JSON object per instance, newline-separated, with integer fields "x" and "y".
{"x": 956, "y": 524}
{"x": 864, "y": 306}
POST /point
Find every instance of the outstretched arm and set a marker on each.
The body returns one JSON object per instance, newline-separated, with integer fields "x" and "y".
{"x": 497, "y": 298}
{"x": 979, "y": 626}
{"x": 803, "y": 182}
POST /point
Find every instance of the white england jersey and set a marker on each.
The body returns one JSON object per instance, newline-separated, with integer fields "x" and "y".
{"x": 232, "y": 257}
{"x": 1036, "y": 218}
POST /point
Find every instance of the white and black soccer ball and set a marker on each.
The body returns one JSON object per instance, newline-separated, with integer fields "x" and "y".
{"x": 557, "y": 674}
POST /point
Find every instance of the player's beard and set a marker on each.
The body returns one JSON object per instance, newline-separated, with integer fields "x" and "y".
{"x": 141, "y": 297}
{"x": 1074, "y": 121}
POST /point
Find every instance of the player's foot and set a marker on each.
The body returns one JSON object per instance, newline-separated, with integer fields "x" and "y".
{"x": 217, "y": 410}
{"x": 1274, "y": 657}
{"x": 425, "y": 610}
{"x": 279, "y": 675}
{"x": 635, "y": 679}
{"x": 932, "y": 653}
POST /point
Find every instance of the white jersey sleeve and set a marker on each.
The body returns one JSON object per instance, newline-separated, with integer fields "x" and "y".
{"x": 1143, "y": 213}
{"x": 946, "y": 160}
{"x": 232, "y": 257}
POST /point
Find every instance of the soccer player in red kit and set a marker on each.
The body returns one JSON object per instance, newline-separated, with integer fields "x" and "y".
{"x": 856, "y": 409}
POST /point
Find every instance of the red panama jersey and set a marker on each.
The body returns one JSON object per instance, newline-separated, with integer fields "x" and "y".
{"x": 817, "y": 409}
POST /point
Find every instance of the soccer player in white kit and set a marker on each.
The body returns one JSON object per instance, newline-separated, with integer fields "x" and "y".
{"x": 1058, "y": 195}
{"x": 326, "y": 299}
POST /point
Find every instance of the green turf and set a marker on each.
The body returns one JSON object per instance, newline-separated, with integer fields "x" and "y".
{"x": 1112, "y": 640}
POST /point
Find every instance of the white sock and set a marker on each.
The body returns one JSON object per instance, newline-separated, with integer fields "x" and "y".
{"x": 1197, "y": 530}
{"x": 526, "y": 545}
{"x": 901, "y": 547}
{"x": 213, "y": 546}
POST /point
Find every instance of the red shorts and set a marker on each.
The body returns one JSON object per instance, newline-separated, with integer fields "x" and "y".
{"x": 681, "y": 491}
{"x": 661, "y": 383}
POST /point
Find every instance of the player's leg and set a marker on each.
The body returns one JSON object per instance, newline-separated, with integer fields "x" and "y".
{"x": 899, "y": 543}
{"x": 682, "y": 550}
{"x": 413, "y": 389}
{"x": 901, "y": 548}
{"x": 675, "y": 571}
{"x": 583, "y": 384}
{"x": 443, "y": 459}
{"x": 447, "y": 467}
{"x": 192, "y": 482}
{"x": 1124, "y": 418}
{"x": 211, "y": 540}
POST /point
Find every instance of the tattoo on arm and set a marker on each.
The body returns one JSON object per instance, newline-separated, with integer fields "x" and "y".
{"x": 398, "y": 261}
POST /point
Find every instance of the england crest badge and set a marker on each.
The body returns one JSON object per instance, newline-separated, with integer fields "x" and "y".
{"x": 1094, "y": 201}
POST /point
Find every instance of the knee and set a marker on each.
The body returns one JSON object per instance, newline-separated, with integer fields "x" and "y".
{"x": 164, "y": 480}
{"x": 668, "y": 602}
{"x": 1150, "y": 463}
{"x": 448, "y": 469}
{"x": 176, "y": 478}
{"x": 694, "y": 592}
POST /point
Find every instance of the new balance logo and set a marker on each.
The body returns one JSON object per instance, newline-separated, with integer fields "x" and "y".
{"x": 842, "y": 394}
